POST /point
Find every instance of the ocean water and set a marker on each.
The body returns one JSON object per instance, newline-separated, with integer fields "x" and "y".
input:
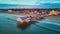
{"x": 45, "y": 26}
{"x": 43, "y": 5}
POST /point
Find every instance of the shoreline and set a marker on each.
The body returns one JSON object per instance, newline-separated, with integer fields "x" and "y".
{"x": 47, "y": 17}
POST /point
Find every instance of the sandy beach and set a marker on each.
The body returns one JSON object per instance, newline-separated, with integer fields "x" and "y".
{"x": 53, "y": 17}
{"x": 47, "y": 17}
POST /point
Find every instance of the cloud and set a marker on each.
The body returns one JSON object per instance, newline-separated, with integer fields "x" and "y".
{"x": 28, "y": 2}
{"x": 48, "y": 1}
{"x": 21, "y": 2}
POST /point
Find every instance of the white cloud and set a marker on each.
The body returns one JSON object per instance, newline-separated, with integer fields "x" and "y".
{"x": 48, "y": 1}
{"x": 28, "y": 2}
{"x": 21, "y": 2}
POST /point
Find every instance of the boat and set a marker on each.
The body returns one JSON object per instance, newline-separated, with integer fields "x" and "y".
{"x": 28, "y": 19}
{"x": 22, "y": 21}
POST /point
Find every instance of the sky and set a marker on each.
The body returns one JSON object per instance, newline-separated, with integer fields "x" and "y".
{"x": 28, "y": 2}
{"x": 7, "y": 4}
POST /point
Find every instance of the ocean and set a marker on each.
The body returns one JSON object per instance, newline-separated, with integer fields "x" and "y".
{"x": 45, "y": 26}
{"x": 44, "y": 5}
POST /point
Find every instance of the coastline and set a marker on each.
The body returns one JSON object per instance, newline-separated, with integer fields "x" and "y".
{"x": 47, "y": 17}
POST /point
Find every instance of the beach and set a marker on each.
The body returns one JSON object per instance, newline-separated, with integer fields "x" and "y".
{"x": 53, "y": 17}
{"x": 24, "y": 14}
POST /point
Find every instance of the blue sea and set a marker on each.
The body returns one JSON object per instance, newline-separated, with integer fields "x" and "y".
{"x": 45, "y": 26}
{"x": 16, "y": 6}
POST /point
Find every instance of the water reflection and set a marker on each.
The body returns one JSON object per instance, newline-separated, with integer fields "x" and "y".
{"x": 22, "y": 27}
